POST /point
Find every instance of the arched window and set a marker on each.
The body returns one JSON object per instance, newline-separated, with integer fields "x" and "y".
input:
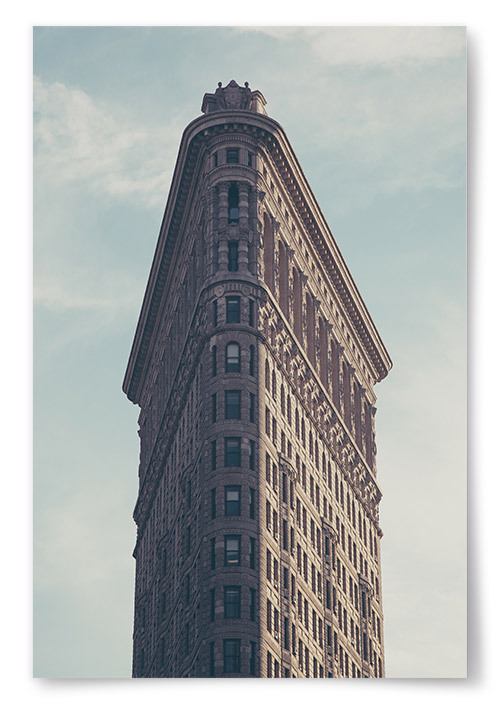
{"x": 233, "y": 198}
{"x": 233, "y": 362}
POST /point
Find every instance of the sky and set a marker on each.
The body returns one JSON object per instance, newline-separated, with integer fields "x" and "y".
{"x": 377, "y": 119}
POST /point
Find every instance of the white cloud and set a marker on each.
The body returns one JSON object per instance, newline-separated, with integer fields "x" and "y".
{"x": 58, "y": 290}
{"x": 372, "y": 45}
{"x": 77, "y": 141}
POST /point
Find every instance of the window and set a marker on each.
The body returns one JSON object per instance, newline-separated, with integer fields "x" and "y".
{"x": 232, "y": 500}
{"x": 286, "y": 636}
{"x": 251, "y": 312}
{"x": 232, "y": 549}
{"x": 232, "y": 455}
{"x": 233, "y": 255}
{"x": 251, "y": 456}
{"x": 212, "y": 604}
{"x": 216, "y": 159}
{"x": 232, "y": 601}
{"x": 232, "y": 357}
{"x": 214, "y": 504}
{"x": 253, "y": 601}
{"x": 212, "y": 553}
{"x": 232, "y": 309}
{"x": 233, "y": 204}
{"x": 249, "y": 159}
{"x": 214, "y": 455}
{"x": 269, "y": 616}
{"x": 251, "y": 361}
{"x": 214, "y": 407}
{"x": 251, "y": 409}
{"x": 232, "y": 656}
{"x": 232, "y": 156}
{"x": 284, "y": 490}
{"x": 252, "y": 503}
{"x": 212, "y": 659}
{"x": 233, "y": 404}
{"x": 253, "y": 657}
{"x": 214, "y": 313}
{"x": 252, "y": 553}
{"x": 214, "y": 361}
{"x": 285, "y": 535}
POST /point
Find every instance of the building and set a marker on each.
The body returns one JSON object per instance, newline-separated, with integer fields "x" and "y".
{"x": 254, "y": 364}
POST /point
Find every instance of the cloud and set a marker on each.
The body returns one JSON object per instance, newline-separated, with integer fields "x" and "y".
{"x": 372, "y": 46}
{"x": 78, "y": 141}
{"x": 58, "y": 290}
{"x": 389, "y": 106}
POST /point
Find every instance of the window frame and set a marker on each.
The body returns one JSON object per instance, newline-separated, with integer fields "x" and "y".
{"x": 232, "y": 255}
{"x": 233, "y": 365}
{"x": 232, "y": 608}
{"x": 232, "y": 455}
{"x": 232, "y": 155}
{"x": 232, "y": 662}
{"x": 233, "y": 310}
{"x": 232, "y": 410}
{"x": 232, "y": 489}
{"x": 236, "y": 561}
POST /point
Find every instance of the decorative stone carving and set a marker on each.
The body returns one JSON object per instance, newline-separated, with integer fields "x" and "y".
{"x": 233, "y": 97}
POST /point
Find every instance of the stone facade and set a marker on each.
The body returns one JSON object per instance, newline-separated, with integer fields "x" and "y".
{"x": 254, "y": 364}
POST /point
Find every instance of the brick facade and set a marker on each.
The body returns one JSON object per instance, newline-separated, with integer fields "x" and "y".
{"x": 254, "y": 364}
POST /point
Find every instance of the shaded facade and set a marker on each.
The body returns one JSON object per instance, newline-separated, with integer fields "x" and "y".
{"x": 254, "y": 364}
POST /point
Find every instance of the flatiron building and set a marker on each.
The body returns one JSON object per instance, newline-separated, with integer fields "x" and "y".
{"x": 254, "y": 364}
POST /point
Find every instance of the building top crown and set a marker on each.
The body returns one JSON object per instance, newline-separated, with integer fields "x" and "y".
{"x": 233, "y": 97}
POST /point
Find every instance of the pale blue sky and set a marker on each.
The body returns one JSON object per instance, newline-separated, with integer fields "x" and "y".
{"x": 377, "y": 119}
